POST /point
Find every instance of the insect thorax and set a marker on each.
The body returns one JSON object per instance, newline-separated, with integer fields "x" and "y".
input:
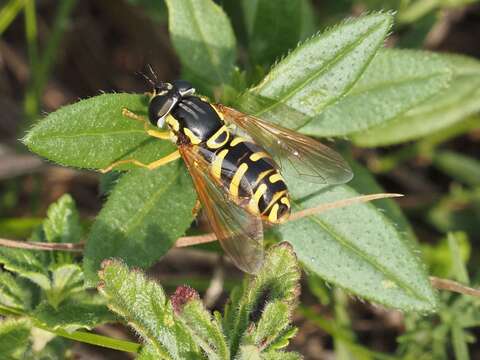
{"x": 198, "y": 121}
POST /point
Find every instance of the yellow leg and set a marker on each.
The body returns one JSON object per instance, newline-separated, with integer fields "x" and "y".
{"x": 165, "y": 135}
{"x": 196, "y": 208}
{"x": 153, "y": 165}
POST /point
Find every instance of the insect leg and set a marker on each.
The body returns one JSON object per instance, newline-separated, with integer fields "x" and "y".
{"x": 153, "y": 165}
{"x": 196, "y": 208}
{"x": 154, "y": 133}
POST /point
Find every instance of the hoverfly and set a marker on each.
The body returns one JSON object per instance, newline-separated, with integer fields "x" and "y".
{"x": 235, "y": 171}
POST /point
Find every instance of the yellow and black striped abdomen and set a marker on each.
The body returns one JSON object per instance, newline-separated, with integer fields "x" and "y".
{"x": 249, "y": 173}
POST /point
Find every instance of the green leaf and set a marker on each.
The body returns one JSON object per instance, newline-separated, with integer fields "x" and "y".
{"x": 55, "y": 349}
{"x": 278, "y": 280}
{"x": 92, "y": 134}
{"x": 318, "y": 72}
{"x": 447, "y": 257}
{"x": 13, "y": 292}
{"x": 458, "y": 101}
{"x": 74, "y": 313}
{"x": 144, "y": 305}
{"x": 144, "y": 215}
{"x": 249, "y": 352}
{"x": 460, "y": 167}
{"x": 459, "y": 341}
{"x": 273, "y": 27}
{"x": 357, "y": 248}
{"x": 14, "y": 338}
{"x": 364, "y": 183}
{"x": 26, "y": 263}
{"x": 67, "y": 279}
{"x": 18, "y": 227}
{"x": 394, "y": 82}
{"x": 459, "y": 268}
{"x": 283, "y": 339}
{"x": 206, "y": 332}
{"x": 275, "y": 319}
{"x": 279, "y": 355}
{"x": 203, "y": 39}
{"x": 148, "y": 352}
{"x": 458, "y": 210}
{"x": 63, "y": 224}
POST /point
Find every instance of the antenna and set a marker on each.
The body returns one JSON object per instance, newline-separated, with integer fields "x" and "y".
{"x": 147, "y": 79}
{"x": 152, "y": 72}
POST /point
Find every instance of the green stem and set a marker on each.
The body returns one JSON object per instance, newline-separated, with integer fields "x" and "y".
{"x": 82, "y": 336}
{"x": 94, "y": 339}
{"x": 32, "y": 98}
{"x": 8, "y": 13}
{"x": 44, "y": 65}
{"x": 31, "y": 34}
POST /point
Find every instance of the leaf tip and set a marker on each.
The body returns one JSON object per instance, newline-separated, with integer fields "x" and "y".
{"x": 105, "y": 267}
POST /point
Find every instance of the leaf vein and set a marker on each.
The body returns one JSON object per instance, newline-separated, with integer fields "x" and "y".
{"x": 348, "y": 245}
{"x": 317, "y": 73}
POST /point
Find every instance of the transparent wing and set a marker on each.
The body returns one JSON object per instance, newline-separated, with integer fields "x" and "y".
{"x": 313, "y": 161}
{"x": 239, "y": 232}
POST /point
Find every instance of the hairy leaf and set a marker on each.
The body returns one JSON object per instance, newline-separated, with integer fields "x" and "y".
{"x": 206, "y": 332}
{"x": 394, "y": 82}
{"x": 275, "y": 319}
{"x": 144, "y": 305}
{"x": 273, "y": 27}
{"x": 318, "y": 72}
{"x": 14, "y": 338}
{"x": 249, "y": 352}
{"x": 364, "y": 183}
{"x": 203, "y": 38}
{"x": 357, "y": 248}
{"x": 93, "y": 133}
{"x": 66, "y": 279}
{"x": 459, "y": 100}
{"x": 13, "y": 292}
{"x": 26, "y": 263}
{"x": 144, "y": 215}
{"x": 148, "y": 352}
{"x": 63, "y": 223}
{"x": 75, "y": 313}
{"x": 278, "y": 280}
{"x": 282, "y": 340}
{"x": 279, "y": 355}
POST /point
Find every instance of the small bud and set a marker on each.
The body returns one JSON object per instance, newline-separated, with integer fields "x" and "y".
{"x": 182, "y": 296}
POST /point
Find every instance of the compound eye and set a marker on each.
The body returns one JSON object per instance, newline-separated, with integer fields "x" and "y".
{"x": 160, "y": 106}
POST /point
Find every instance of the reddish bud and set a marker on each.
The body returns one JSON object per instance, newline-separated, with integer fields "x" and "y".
{"x": 181, "y": 296}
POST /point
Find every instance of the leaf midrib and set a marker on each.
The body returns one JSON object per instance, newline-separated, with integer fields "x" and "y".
{"x": 351, "y": 247}
{"x": 319, "y": 72}
{"x": 88, "y": 134}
